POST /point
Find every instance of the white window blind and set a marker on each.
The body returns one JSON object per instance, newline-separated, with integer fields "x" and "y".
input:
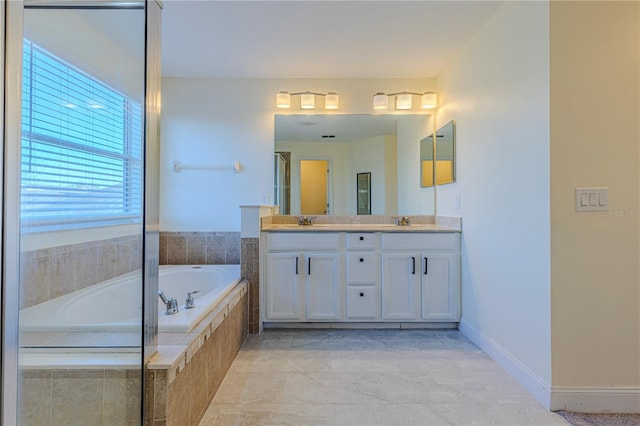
{"x": 81, "y": 147}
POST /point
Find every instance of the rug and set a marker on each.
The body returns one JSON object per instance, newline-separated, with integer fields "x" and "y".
{"x": 600, "y": 419}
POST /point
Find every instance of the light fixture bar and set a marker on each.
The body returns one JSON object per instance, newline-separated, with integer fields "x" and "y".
{"x": 403, "y": 100}
{"x": 307, "y": 99}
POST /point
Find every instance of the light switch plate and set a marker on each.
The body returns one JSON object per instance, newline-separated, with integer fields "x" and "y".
{"x": 592, "y": 199}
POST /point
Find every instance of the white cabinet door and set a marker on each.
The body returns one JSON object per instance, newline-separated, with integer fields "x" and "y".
{"x": 440, "y": 286}
{"x": 284, "y": 274}
{"x": 400, "y": 286}
{"x": 322, "y": 290}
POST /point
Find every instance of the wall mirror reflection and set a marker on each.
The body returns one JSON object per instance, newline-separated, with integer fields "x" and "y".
{"x": 443, "y": 170}
{"x": 384, "y": 145}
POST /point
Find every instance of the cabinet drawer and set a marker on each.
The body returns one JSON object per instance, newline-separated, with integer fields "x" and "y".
{"x": 421, "y": 241}
{"x": 362, "y": 268}
{"x": 303, "y": 241}
{"x": 362, "y": 302}
{"x": 362, "y": 241}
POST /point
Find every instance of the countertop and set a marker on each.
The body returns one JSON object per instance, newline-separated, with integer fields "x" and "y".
{"x": 357, "y": 227}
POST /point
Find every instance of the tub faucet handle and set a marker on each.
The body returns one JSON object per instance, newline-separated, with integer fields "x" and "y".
{"x": 188, "y": 304}
{"x": 170, "y": 302}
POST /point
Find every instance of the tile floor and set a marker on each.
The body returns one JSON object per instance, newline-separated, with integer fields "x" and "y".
{"x": 370, "y": 377}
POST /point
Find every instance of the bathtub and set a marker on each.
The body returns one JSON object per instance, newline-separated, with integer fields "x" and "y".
{"x": 115, "y": 305}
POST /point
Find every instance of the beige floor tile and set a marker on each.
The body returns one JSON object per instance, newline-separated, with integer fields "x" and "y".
{"x": 370, "y": 377}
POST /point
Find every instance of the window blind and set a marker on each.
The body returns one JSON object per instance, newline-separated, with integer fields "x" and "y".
{"x": 81, "y": 158}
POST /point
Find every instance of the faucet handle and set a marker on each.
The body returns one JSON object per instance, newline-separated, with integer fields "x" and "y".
{"x": 188, "y": 304}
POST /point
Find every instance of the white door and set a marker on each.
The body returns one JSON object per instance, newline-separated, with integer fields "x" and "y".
{"x": 400, "y": 286}
{"x": 439, "y": 273}
{"x": 282, "y": 298}
{"x": 322, "y": 286}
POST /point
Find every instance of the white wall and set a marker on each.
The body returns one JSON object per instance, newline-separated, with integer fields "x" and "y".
{"x": 595, "y": 263}
{"x": 218, "y": 121}
{"x": 497, "y": 91}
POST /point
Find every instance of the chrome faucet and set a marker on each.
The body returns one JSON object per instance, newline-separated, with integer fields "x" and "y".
{"x": 304, "y": 220}
{"x": 402, "y": 221}
{"x": 170, "y": 302}
{"x": 188, "y": 304}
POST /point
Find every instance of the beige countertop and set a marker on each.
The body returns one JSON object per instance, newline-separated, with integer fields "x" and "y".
{"x": 357, "y": 227}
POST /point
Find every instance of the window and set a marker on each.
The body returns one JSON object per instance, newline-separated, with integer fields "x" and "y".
{"x": 81, "y": 147}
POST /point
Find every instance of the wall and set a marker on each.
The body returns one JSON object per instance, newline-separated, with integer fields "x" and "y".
{"x": 595, "y": 141}
{"x": 218, "y": 121}
{"x": 497, "y": 91}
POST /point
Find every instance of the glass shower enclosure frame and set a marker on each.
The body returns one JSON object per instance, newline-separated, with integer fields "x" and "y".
{"x": 59, "y": 261}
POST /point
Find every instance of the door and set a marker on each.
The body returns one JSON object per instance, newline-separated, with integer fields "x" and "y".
{"x": 284, "y": 272}
{"x": 322, "y": 286}
{"x": 400, "y": 286}
{"x": 439, "y": 292}
{"x": 314, "y": 182}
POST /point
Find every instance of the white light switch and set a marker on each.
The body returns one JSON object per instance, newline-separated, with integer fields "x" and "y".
{"x": 592, "y": 199}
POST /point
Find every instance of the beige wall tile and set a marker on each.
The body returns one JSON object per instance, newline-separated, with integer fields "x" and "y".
{"x": 35, "y": 397}
{"x": 121, "y": 404}
{"x": 73, "y": 389}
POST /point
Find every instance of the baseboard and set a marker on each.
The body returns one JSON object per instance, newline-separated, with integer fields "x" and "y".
{"x": 595, "y": 400}
{"x": 540, "y": 389}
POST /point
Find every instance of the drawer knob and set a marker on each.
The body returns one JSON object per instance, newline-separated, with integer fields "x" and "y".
{"x": 361, "y": 294}
{"x": 361, "y": 238}
{"x": 361, "y": 260}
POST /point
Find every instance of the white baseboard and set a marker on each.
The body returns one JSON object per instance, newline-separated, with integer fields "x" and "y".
{"x": 595, "y": 400}
{"x": 540, "y": 389}
{"x": 554, "y": 398}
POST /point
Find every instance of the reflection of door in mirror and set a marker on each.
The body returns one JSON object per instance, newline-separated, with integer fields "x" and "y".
{"x": 443, "y": 170}
{"x": 314, "y": 184}
{"x": 282, "y": 189}
{"x": 363, "y": 189}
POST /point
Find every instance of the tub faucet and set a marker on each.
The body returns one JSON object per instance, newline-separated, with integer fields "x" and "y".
{"x": 188, "y": 304}
{"x": 170, "y": 302}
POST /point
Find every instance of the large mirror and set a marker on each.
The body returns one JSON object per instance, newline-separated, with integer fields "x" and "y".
{"x": 443, "y": 170}
{"x": 318, "y": 159}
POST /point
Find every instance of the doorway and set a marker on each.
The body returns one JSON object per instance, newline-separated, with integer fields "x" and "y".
{"x": 314, "y": 187}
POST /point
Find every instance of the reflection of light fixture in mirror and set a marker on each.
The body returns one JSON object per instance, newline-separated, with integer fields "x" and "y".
{"x": 404, "y": 100}
{"x": 307, "y": 99}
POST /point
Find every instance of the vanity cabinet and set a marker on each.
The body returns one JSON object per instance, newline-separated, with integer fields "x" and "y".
{"x": 361, "y": 277}
{"x": 303, "y": 273}
{"x": 423, "y": 283}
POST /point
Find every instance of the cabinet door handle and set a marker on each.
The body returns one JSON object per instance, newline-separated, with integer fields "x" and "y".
{"x": 426, "y": 265}
{"x": 361, "y": 260}
{"x": 361, "y": 294}
{"x": 309, "y": 265}
{"x": 296, "y": 265}
{"x": 413, "y": 265}
{"x": 361, "y": 238}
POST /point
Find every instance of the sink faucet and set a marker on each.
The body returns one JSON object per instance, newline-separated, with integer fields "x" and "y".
{"x": 402, "y": 221}
{"x": 170, "y": 302}
{"x": 188, "y": 304}
{"x": 304, "y": 220}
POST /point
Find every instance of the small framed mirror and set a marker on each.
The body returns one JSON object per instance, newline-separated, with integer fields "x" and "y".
{"x": 443, "y": 170}
{"x": 363, "y": 190}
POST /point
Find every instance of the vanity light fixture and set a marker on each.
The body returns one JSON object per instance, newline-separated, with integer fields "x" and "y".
{"x": 307, "y": 99}
{"x": 403, "y": 100}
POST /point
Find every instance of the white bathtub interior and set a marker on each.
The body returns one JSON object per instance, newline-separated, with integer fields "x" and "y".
{"x": 106, "y": 307}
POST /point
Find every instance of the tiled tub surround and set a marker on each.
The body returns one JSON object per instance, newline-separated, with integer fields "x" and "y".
{"x": 250, "y": 269}
{"x": 86, "y": 396}
{"x": 199, "y": 248}
{"x": 185, "y": 374}
{"x": 56, "y": 271}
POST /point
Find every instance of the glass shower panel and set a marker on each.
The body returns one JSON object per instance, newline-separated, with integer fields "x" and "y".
{"x": 81, "y": 216}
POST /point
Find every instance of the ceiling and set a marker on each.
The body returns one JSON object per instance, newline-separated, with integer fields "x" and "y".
{"x": 332, "y": 128}
{"x": 316, "y": 39}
